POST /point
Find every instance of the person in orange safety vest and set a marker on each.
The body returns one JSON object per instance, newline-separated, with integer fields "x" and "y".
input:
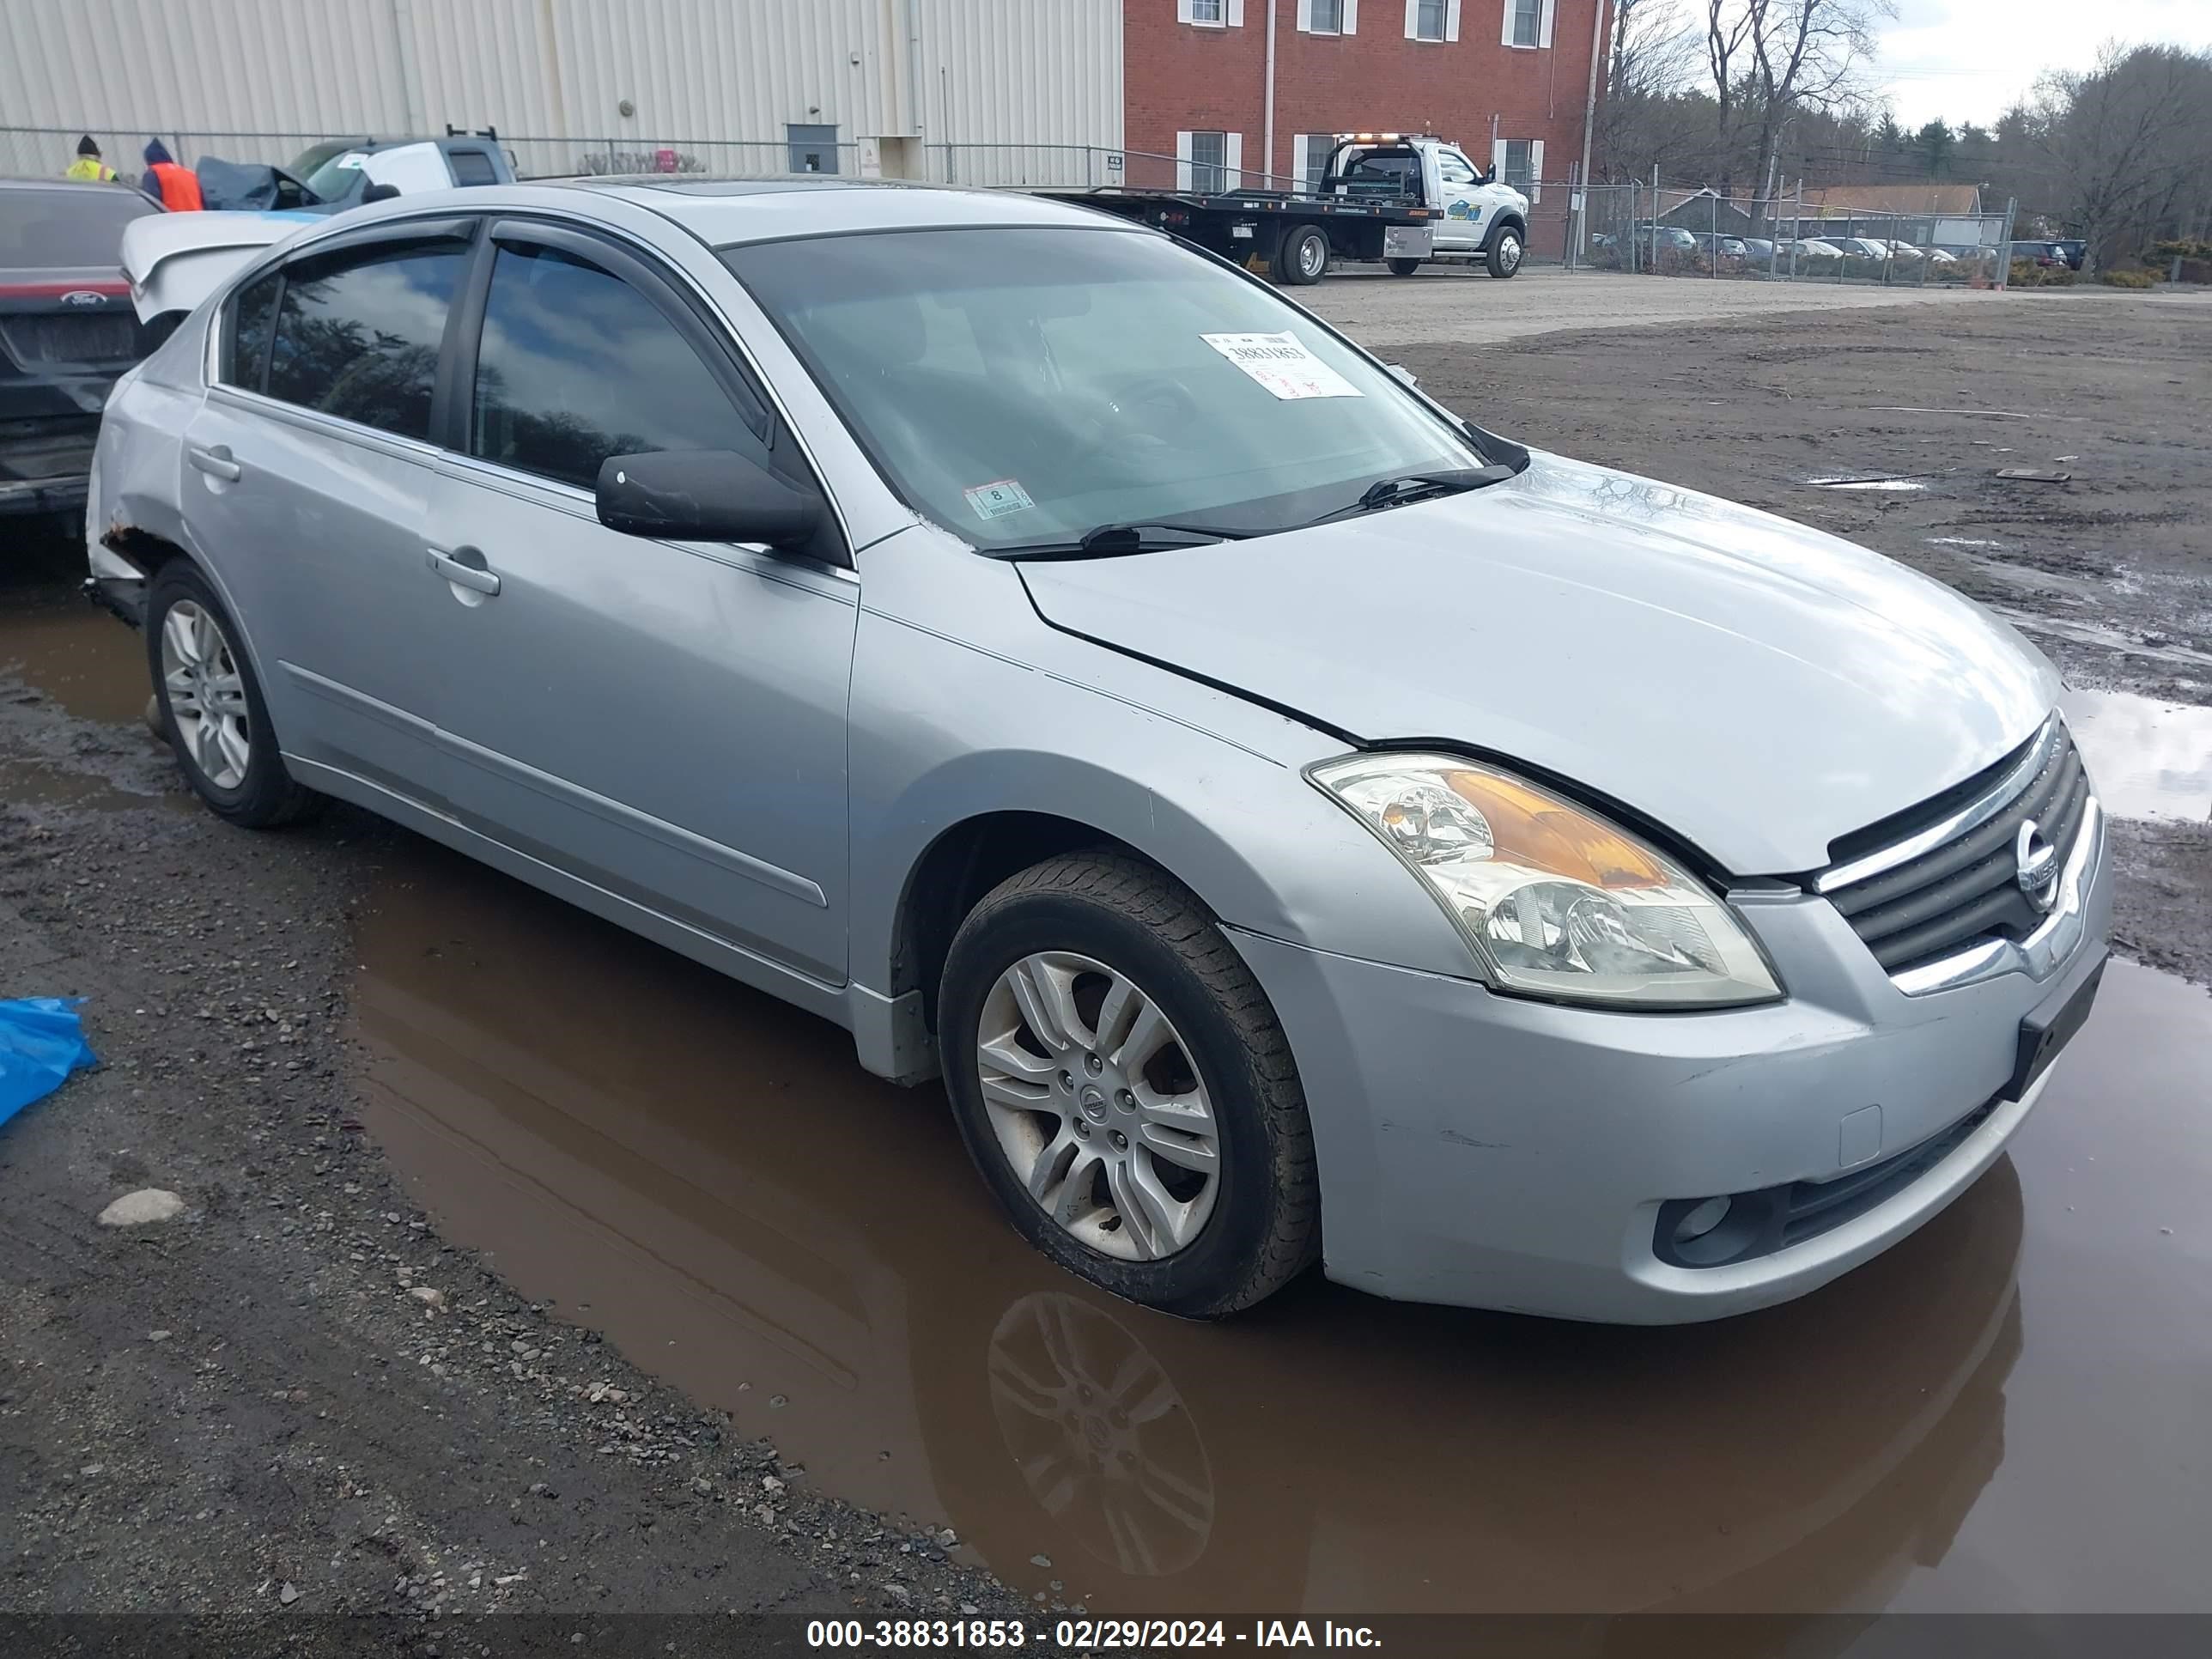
{"x": 168, "y": 184}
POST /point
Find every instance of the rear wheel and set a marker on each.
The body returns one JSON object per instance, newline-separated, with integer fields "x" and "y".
{"x": 1304, "y": 259}
{"x": 210, "y": 707}
{"x": 1125, "y": 1089}
{"x": 1504, "y": 254}
{"x": 1404, "y": 267}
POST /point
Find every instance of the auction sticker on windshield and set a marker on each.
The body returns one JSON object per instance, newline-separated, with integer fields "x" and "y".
{"x": 1281, "y": 363}
{"x": 996, "y": 499}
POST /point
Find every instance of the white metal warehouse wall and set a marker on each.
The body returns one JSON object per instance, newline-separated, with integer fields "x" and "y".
{"x": 989, "y": 71}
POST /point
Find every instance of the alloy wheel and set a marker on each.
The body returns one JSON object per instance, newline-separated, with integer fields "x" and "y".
{"x": 206, "y": 693}
{"x": 1097, "y": 1106}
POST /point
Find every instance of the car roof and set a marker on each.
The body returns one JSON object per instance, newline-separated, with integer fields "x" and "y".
{"x": 104, "y": 186}
{"x": 722, "y": 211}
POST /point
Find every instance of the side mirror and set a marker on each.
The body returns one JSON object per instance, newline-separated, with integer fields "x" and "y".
{"x": 380, "y": 194}
{"x": 703, "y": 496}
{"x": 1403, "y": 373}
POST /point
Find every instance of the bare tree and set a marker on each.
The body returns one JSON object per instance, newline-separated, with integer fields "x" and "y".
{"x": 1728, "y": 27}
{"x": 2130, "y": 143}
{"x": 1654, "y": 56}
{"x": 1807, "y": 54}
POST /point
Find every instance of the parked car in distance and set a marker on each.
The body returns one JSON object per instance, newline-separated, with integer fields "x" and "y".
{"x": 2072, "y": 250}
{"x": 1726, "y": 251}
{"x": 1759, "y": 250}
{"x": 1812, "y": 248}
{"x": 1044, "y": 649}
{"x": 2046, "y": 255}
{"x": 339, "y": 171}
{"x": 66, "y": 330}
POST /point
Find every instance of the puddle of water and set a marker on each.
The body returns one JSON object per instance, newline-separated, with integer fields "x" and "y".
{"x": 2150, "y": 759}
{"x": 86, "y": 660}
{"x": 1894, "y": 484}
{"x": 1963, "y": 541}
{"x": 1987, "y": 1416}
{"x": 2096, "y": 634}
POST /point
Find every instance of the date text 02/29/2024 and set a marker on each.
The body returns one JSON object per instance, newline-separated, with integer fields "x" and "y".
{"x": 1082, "y": 1635}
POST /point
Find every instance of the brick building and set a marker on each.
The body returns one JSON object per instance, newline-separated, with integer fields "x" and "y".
{"x": 1510, "y": 79}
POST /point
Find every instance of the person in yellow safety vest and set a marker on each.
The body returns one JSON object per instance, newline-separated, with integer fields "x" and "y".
{"x": 88, "y": 167}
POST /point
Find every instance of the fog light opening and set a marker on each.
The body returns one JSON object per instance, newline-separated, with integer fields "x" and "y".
{"x": 1701, "y": 1220}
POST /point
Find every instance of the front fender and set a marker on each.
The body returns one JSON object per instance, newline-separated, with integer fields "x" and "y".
{"x": 1206, "y": 785}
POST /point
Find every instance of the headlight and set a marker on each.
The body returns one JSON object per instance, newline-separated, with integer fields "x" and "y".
{"x": 1555, "y": 900}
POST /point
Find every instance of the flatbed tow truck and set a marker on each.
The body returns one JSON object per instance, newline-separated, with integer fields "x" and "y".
{"x": 1403, "y": 199}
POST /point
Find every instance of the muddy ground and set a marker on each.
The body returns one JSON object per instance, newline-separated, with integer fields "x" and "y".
{"x": 720, "y": 1323}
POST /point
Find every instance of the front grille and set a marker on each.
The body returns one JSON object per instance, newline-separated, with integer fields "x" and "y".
{"x": 105, "y": 339}
{"x": 1963, "y": 887}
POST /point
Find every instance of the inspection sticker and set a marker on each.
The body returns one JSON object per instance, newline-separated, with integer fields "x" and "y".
{"x": 995, "y": 500}
{"x": 1281, "y": 363}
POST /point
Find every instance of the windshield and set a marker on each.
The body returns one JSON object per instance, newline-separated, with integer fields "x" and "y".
{"x": 338, "y": 177}
{"x": 66, "y": 229}
{"x": 1027, "y": 385}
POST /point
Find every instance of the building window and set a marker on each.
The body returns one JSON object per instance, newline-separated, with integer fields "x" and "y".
{"x": 1209, "y": 162}
{"x": 1328, "y": 16}
{"x": 1524, "y": 23}
{"x": 1520, "y": 164}
{"x": 1210, "y": 14}
{"x": 1314, "y": 151}
{"x": 1428, "y": 19}
{"x": 1204, "y": 12}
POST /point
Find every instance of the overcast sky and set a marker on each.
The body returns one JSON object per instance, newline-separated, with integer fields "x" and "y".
{"x": 1967, "y": 60}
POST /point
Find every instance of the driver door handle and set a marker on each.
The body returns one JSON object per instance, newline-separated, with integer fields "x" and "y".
{"x": 216, "y": 462}
{"x": 465, "y": 568}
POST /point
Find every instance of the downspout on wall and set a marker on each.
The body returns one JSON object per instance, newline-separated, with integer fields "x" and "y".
{"x": 1268, "y": 122}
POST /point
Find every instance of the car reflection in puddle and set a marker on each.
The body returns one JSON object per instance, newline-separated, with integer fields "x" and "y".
{"x": 706, "y": 1177}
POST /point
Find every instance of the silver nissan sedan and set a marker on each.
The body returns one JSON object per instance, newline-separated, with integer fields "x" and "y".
{"x": 1300, "y": 824}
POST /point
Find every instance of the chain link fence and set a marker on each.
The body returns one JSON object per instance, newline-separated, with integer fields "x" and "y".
{"x": 1668, "y": 231}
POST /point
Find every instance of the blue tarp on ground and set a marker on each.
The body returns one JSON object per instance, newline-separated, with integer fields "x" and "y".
{"x": 41, "y": 1042}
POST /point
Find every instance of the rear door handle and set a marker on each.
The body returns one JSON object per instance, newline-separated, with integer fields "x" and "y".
{"x": 216, "y": 462}
{"x": 465, "y": 568}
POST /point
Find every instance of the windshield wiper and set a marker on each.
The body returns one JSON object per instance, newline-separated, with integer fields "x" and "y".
{"x": 1108, "y": 540}
{"x": 1404, "y": 486}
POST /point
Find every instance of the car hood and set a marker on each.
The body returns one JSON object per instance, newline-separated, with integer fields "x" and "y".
{"x": 174, "y": 260}
{"x": 1754, "y": 686}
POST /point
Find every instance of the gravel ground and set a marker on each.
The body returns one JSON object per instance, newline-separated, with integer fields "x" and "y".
{"x": 292, "y": 1397}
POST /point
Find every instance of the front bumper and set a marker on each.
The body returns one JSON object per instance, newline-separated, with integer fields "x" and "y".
{"x": 1495, "y": 1152}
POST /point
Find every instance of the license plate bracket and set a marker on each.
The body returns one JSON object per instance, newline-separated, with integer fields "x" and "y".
{"x": 2050, "y": 1028}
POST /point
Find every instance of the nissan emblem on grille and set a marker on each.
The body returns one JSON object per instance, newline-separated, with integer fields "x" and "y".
{"x": 2038, "y": 866}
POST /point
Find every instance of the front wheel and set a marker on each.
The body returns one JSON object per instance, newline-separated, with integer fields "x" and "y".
{"x": 1304, "y": 259}
{"x": 1403, "y": 267}
{"x": 1124, "y": 1088}
{"x": 1503, "y": 257}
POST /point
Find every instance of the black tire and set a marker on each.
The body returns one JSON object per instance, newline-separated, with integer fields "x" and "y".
{"x": 1403, "y": 267}
{"x": 266, "y": 796}
{"x": 1303, "y": 258}
{"x": 1265, "y": 1226}
{"x": 1503, "y": 256}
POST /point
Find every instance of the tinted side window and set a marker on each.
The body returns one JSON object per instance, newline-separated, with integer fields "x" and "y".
{"x": 246, "y": 362}
{"x": 472, "y": 166}
{"x": 576, "y": 365}
{"x": 358, "y": 333}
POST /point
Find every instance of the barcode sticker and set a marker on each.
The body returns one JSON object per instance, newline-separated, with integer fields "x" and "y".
{"x": 996, "y": 500}
{"x": 1281, "y": 363}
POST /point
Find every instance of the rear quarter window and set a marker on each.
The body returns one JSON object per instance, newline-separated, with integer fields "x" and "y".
{"x": 472, "y": 166}
{"x": 245, "y": 349}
